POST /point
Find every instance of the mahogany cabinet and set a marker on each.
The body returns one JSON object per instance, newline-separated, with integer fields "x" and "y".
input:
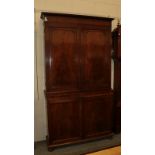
{"x": 78, "y": 78}
{"x": 116, "y": 35}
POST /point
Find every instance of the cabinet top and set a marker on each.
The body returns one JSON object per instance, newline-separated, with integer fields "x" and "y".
{"x": 48, "y": 14}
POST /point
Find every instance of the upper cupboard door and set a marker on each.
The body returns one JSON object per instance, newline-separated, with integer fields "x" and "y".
{"x": 96, "y": 59}
{"x": 61, "y": 58}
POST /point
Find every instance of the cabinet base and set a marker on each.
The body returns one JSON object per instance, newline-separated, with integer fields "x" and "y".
{"x": 54, "y": 146}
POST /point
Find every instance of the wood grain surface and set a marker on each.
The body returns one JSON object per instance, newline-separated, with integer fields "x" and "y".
{"x": 111, "y": 151}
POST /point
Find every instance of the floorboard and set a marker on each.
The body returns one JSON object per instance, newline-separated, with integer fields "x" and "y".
{"x": 111, "y": 151}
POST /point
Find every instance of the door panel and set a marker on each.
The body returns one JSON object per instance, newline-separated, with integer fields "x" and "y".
{"x": 97, "y": 115}
{"x": 62, "y": 59}
{"x": 64, "y": 120}
{"x": 96, "y": 64}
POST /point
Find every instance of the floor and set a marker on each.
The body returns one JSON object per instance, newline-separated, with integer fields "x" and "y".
{"x": 79, "y": 149}
{"x": 111, "y": 151}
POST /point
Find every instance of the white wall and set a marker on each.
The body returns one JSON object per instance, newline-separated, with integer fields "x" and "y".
{"x": 105, "y": 8}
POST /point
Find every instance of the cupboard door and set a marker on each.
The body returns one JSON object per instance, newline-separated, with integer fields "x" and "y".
{"x": 62, "y": 60}
{"x": 96, "y": 61}
{"x": 63, "y": 120}
{"x": 97, "y": 114}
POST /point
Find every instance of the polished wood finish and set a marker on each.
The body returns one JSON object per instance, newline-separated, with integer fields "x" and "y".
{"x": 63, "y": 119}
{"x": 117, "y": 77}
{"x": 78, "y": 73}
{"x": 110, "y": 151}
{"x": 95, "y": 56}
{"x": 97, "y": 115}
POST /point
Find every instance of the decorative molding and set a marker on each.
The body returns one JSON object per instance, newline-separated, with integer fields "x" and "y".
{"x": 76, "y": 13}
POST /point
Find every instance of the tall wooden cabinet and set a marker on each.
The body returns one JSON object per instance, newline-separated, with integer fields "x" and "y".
{"x": 116, "y": 35}
{"x": 78, "y": 77}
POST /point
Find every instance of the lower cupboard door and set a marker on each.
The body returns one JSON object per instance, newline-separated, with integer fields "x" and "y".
{"x": 63, "y": 122}
{"x": 97, "y": 116}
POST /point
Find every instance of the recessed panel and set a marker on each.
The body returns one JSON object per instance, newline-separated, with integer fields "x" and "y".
{"x": 63, "y": 59}
{"x": 96, "y": 59}
{"x": 97, "y": 115}
{"x": 64, "y": 120}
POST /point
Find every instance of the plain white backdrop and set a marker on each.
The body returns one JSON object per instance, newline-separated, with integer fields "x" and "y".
{"x": 17, "y": 77}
